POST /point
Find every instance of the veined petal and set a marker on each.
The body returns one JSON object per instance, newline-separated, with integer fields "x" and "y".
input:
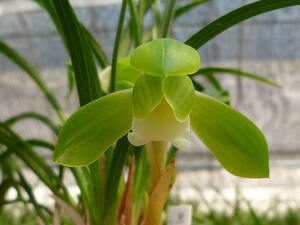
{"x": 160, "y": 125}
{"x": 94, "y": 128}
{"x": 236, "y": 142}
{"x": 179, "y": 93}
{"x": 165, "y": 57}
{"x": 147, "y": 95}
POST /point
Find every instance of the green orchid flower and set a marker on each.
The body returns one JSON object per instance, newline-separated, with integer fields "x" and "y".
{"x": 164, "y": 106}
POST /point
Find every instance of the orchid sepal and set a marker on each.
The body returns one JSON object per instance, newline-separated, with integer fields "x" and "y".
{"x": 165, "y": 57}
{"x": 93, "y": 128}
{"x": 236, "y": 142}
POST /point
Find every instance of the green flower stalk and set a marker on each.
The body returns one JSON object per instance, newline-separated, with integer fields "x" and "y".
{"x": 164, "y": 106}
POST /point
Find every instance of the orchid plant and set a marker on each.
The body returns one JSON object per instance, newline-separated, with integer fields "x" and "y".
{"x": 162, "y": 109}
{"x": 136, "y": 112}
{"x": 163, "y": 106}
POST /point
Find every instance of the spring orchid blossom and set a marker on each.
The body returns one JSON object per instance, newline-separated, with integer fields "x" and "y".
{"x": 164, "y": 106}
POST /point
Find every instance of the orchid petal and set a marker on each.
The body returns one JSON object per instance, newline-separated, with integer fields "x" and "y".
{"x": 179, "y": 93}
{"x": 160, "y": 125}
{"x": 147, "y": 95}
{"x": 236, "y": 142}
{"x": 125, "y": 74}
{"x": 93, "y": 129}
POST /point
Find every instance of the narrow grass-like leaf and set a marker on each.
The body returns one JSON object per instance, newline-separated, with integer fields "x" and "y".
{"x": 211, "y": 78}
{"x": 71, "y": 78}
{"x": 167, "y": 18}
{"x": 156, "y": 18}
{"x": 235, "y": 72}
{"x": 187, "y": 7}
{"x": 5, "y": 185}
{"x": 96, "y": 47}
{"x": 140, "y": 180}
{"x": 41, "y": 143}
{"x": 88, "y": 85}
{"x": 126, "y": 42}
{"x": 22, "y": 63}
{"x": 32, "y": 115}
{"x": 136, "y": 26}
{"x": 23, "y": 151}
{"x": 81, "y": 46}
{"x": 31, "y": 196}
{"x": 234, "y": 17}
{"x": 116, "y": 46}
{"x": 114, "y": 179}
{"x": 220, "y": 94}
{"x": 37, "y": 164}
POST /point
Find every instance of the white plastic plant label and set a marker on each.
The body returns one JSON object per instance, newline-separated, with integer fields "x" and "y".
{"x": 180, "y": 215}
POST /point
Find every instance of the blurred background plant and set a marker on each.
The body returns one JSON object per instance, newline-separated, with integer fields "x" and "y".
{"x": 103, "y": 182}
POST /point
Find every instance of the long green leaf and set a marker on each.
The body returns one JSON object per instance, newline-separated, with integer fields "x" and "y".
{"x": 187, "y": 7}
{"x": 136, "y": 26}
{"x": 114, "y": 179}
{"x": 88, "y": 85}
{"x": 5, "y": 185}
{"x": 41, "y": 143}
{"x": 223, "y": 23}
{"x": 31, "y": 196}
{"x": 95, "y": 46}
{"x": 141, "y": 179}
{"x": 127, "y": 39}
{"x": 36, "y": 163}
{"x": 25, "y": 153}
{"x": 235, "y": 72}
{"x": 22, "y": 63}
{"x": 116, "y": 46}
{"x": 156, "y": 20}
{"x": 81, "y": 46}
{"x": 211, "y": 78}
{"x": 32, "y": 115}
{"x": 167, "y": 19}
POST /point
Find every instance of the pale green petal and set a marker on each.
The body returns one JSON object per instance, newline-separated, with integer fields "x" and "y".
{"x": 93, "y": 129}
{"x": 179, "y": 93}
{"x": 147, "y": 95}
{"x": 122, "y": 85}
{"x": 165, "y": 57}
{"x": 235, "y": 141}
{"x": 125, "y": 74}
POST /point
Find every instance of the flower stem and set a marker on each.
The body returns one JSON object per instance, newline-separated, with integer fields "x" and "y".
{"x": 157, "y": 152}
{"x": 161, "y": 182}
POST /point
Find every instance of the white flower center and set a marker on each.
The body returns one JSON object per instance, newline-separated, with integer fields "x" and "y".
{"x": 160, "y": 125}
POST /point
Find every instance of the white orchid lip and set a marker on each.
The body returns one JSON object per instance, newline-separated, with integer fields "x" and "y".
{"x": 160, "y": 125}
